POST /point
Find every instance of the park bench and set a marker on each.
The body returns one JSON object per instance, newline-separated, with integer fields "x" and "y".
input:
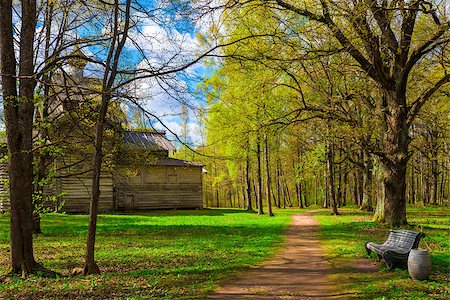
{"x": 395, "y": 250}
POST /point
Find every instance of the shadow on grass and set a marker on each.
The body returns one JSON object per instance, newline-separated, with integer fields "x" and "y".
{"x": 65, "y": 225}
{"x": 43, "y": 272}
{"x": 39, "y": 271}
{"x": 183, "y": 212}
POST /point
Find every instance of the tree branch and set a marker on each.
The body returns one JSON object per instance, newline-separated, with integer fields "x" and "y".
{"x": 415, "y": 107}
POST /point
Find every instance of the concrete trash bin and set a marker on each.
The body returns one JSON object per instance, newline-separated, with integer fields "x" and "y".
{"x": 419, "y": 264}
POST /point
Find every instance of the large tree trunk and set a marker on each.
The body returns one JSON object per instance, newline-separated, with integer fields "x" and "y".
{"x": 395, "y": 141}
{"x": 394, "y": 192}
{"x": 19, "y": 113}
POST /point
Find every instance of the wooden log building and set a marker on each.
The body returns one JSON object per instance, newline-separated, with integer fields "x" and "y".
{"x": 142, "y": 177}
{"x": 138, "y": 172}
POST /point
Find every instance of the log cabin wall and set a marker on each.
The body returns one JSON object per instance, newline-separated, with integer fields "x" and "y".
{"x": 152, "y": 187}
{"x": 71, "y": 190}
{"x": 159, "y": 183}
{"x": 76, "y": 193}
{"x": 75, "y": 187}
{"x": 160, "y": 187}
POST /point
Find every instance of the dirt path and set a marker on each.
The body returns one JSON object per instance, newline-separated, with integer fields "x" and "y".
{"x": 299, "y": 271}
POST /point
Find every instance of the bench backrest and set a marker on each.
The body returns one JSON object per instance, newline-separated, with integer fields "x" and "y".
{"x": 405, "y": 239}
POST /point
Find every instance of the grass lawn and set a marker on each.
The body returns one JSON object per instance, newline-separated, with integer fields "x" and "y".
{"x": 159, "y": 254}
{"x": 344, "y": 236}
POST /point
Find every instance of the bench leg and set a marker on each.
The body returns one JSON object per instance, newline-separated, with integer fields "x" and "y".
{"x": 367, "y": 249}
{"x": 379, "y": 257}
{"x": 389, "y": 259}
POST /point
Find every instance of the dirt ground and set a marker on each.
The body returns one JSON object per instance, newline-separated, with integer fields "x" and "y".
{"x": 299, "y": 271}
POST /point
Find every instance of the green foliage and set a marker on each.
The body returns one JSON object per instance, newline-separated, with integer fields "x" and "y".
{"x": 162, "y": 254}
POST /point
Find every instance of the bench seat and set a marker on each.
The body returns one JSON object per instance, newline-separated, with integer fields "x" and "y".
{"x": 395, "y": 250}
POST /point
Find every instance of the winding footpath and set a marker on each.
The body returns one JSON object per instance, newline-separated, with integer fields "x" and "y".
{"x": 299, "y": 271}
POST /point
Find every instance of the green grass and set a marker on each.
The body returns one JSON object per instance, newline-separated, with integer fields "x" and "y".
{"x": 344, "y": 236}
{"x": 186, "y": 254}
{"x": 162, "y": 254}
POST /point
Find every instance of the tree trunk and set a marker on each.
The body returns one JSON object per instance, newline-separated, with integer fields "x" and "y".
{"x": 278, "y": 201}
{"x": 394, "y": 189}
{"x": 413, "y": 187}
{"x": 327, "y": 183}
{"x": 255, "y": 191}
{"x": 111, "y": 65}
{"x": 435, "y": 178}
{"x": 355, "y": 186}
{"x": 259, "y": 175}
{"x": 244, "y": 196}
{"x": 19, "y": 113}
{"x": 360, "y": 172}
{"x": 217, "y": 196}
{"x": 91, "y": 266}
{"x": 331, "y": 187}
{"x": 42, "y": 121}
{"x": 339, "y": 180}
{"x": 395, "y": 142}
{"x": 441, "y": 191}
{"x": 344, "y": 193}
{"x": 305, "y": 192}
{"x": 316, "y": 189}
{"x": 368, "y": 195}
{"x": 248, "y": 184}
{"x": 266, "y": 154}
{"x": 379, "y": 209}
{"x": 299, "y": 195}
{"x": 287, "y": 193}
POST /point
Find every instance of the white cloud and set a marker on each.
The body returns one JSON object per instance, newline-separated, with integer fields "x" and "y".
{"x": 194, "y": 132}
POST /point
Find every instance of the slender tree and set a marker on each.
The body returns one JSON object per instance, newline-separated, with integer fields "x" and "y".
{"x": 121, "y": 15}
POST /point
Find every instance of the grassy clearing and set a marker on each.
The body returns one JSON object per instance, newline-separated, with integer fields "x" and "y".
{"x": 160, "y": 254}
{"x": 344, "y": 237}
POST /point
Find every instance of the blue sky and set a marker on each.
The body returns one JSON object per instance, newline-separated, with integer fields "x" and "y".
{"x": 160, "y": 41}
{"x": 161, "y": 34}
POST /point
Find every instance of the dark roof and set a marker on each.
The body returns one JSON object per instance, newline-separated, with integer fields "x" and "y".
{"x": 147, "y": 140}
{"x": 176, "y": 162}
